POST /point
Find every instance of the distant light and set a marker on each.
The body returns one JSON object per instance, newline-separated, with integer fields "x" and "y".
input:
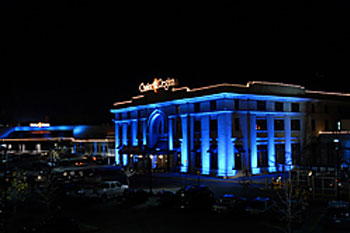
{"x": 39, "y": 124}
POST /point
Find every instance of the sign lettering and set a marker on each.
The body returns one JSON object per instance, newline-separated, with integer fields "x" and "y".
{"x": 157, "y": 84}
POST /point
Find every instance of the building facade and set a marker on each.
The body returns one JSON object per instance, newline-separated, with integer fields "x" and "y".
{"x": 40, "y": 138}
{"x": 224, "y": 130}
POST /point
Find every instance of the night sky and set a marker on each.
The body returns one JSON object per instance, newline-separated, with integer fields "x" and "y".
{"x": 67, "y": 62}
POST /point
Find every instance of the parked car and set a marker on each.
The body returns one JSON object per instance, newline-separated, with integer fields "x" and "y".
{"x": 195, "y": 197}
{"x": 229, "y": 203}
{"x": 337, "y": 215}
{"x": 259, "y": 206}
{"x": 98, "y": 159}
{"x": 105, "y": 190}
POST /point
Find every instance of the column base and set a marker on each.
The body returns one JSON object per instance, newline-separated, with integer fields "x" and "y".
{"x": 205, "y": 171}
{"x": 272, "y": 169}
{"x": 226, "y": 173}
{"x": 184, "y": 169}
{"x": 256, "y": 170}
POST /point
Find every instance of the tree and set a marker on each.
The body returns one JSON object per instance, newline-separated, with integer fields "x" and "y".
{"x": 290, "y": 204}
{"x": 128, "y": 172}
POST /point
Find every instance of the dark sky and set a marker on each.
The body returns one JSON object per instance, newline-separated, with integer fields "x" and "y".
{"x": 70, "y": 60}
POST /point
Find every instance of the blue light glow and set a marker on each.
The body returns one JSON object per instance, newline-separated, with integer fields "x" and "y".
{"x": 205, "y": 145}
{"x": 253, "y": 147}
{"x": 225, "y": 146}
{"x": 78, "y": 130}
{"x": 184, "y": 144}
{"x": 153, "y": 119}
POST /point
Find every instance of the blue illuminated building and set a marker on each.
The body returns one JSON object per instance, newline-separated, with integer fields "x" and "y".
{"x": 40, "y": 138}
{"x": 224, "y": 130}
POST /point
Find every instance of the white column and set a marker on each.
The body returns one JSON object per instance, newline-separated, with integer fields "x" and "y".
{"x": 288, "y": 146}
{"x": 95, "y": 147}
{"x": 271, "y": 143}
{"x": 171, "y": 133}
{"x": 243, "y": 120}
{"x": 184, "y": 144}
{"x": 191, "y": 154}
{"x": 205, "y": 145}
{"x": 252, "y": 145}
{"x": 225, "y": 147}
{"x": 134, "y": 133}
{"x": 125, "y": 142}
{"x": 117, "y": 144}
{"x": 144, "y": 132}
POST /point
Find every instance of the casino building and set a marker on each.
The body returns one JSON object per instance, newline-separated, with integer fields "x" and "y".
{"x": 226, "y": 129}
{"x": 40, "y": 138}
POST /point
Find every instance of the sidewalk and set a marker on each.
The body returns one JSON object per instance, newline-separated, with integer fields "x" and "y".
{"x": 259, "y": 179}
{"x": 256, "y": 179}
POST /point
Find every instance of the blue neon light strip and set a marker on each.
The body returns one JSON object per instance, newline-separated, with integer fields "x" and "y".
{"x": 78, "y": 130}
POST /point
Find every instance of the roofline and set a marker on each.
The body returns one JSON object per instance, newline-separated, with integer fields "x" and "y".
{"x": 245, "y": 89}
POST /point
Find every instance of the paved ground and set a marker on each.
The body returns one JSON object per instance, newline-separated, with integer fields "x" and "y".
{"x": 112, "y": 217}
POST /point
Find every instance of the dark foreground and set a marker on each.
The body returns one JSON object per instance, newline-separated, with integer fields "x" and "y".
{"x": 145, "y": 215}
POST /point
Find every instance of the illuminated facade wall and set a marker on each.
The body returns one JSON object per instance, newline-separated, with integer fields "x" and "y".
{"x": 37, "y": 139}
{"x": 223, "y": 130}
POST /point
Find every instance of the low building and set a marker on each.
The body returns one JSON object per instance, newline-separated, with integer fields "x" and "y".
{"x": 226, "y": 129}
{"x": 40, "y": 138}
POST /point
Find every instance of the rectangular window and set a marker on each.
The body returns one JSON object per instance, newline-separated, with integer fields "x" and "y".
{"x": 120, "y": 130}
{"x": 238, "y": 157}
{"x": 139, "y": 131}
{"x": 280, "y": 153}
{"x": 295, "y": 107}
{"x": 213, "y": 155}
{"x": 198, "y": 156}
{"x": 178, "y": 129}
{"x": 212, "y": 105}
{"x": 236, "y": 104}
{"x": 261, "y": 124}
{"x": 279, "y": 106}
{"x": 237, "y": 128}
{"x": 262, "y": 156}
{"x": 295, "y": 124}
{"x": 326, "y": 125}
{"x": 296, "y": 155}
{"x": 279, "y": 124}
{"x": 261, "y": 105}
{"x": 197, "y": 126}
{"x": 128, "y": 133}
{"x": 213, "y": 127}
{"x": 197, "y": 107}
{"x": 312, "y": 108}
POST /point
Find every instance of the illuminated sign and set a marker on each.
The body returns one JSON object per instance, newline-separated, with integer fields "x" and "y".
{"x": 157, "y": 84}
{"x": 39, "y": 125}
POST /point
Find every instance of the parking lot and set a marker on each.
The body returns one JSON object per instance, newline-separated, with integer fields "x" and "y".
{"x": 138, "y": 210}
